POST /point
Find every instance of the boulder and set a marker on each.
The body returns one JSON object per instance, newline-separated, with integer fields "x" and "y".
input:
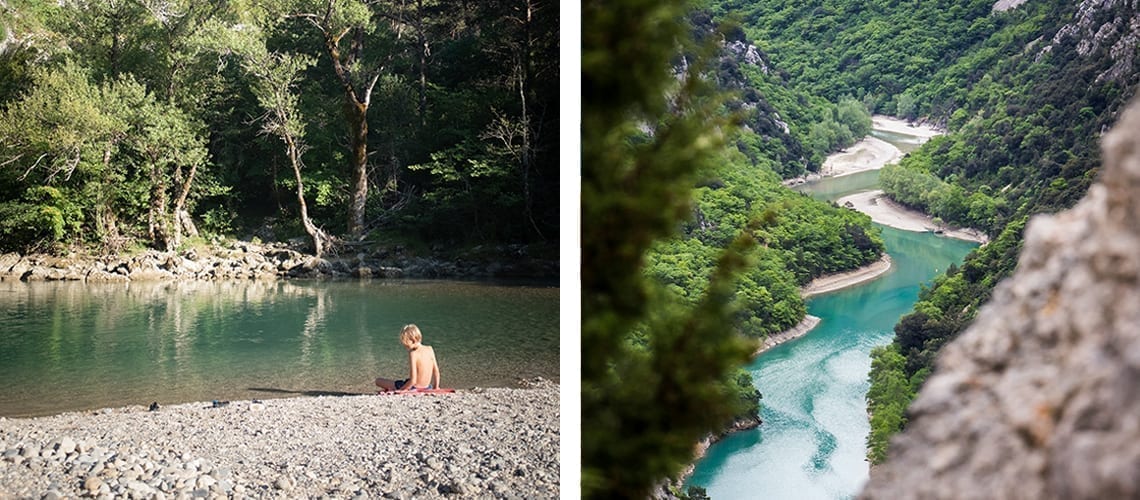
{"x": 8, "y": 260}
{"x": 18, "y": 270}
{"x": 102, "y": 276}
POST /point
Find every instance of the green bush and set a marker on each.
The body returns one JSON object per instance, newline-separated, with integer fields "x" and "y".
{"x": 25, "y": 227}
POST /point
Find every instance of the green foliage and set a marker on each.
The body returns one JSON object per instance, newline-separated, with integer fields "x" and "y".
{"x": 27, "y": 227}
{"x": 887, "y": 400}
{"x": 695, "y": 493}
{"x": 219, "y": 221}
{"x": 126, "y": 104}
{"x": 804, "y": 239}
{"x": 748, "y": 396}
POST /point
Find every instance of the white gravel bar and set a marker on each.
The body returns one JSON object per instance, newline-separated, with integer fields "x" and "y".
{"x": 479, "y": 443}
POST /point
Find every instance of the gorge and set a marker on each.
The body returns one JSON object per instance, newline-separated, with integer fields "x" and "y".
{"x": 812, "y": 441}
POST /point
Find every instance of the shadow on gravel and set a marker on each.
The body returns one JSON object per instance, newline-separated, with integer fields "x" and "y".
{"x": 305, "y": 393}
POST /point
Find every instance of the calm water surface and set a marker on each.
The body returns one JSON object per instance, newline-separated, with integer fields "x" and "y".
{"x": 74, "y": 346}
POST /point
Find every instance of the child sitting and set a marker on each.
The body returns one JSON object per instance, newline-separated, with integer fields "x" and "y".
{"x": 424, "y": 372}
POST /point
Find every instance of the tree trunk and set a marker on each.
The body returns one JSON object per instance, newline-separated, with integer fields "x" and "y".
{"x": 425, "y": 51}
{"x": 526, "y": 79}
{"x": 157, "y": 224}
{"x": 356, "y": 111}
{"x": 314, "y": 232}
{"x": 183, "y": 224}
{"x": 106, "y": 226}
{"x": 359, "y": 138}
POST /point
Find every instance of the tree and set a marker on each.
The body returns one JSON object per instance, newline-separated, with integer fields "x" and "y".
{"x": 530, "y": 34}
{"x": 88, "y": 138}
{"x": 275, "y": 76}
{"x": 174, "y": 149}
{"x": 345, "y": 26}
{"x": 655, "y": 374}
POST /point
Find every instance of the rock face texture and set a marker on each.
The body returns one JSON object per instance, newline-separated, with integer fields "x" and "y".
{"x": 1112, "y": 25}
{"x": 1040, "y": 398}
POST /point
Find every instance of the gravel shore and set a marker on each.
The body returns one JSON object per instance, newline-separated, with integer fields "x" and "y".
{"x": 482, "y": 443}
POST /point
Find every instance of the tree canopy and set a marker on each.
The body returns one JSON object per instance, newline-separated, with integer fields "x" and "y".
{"x": 429, "y": 121}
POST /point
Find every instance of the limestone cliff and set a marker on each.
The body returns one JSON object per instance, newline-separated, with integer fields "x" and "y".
{"x": 1040, "y": 397}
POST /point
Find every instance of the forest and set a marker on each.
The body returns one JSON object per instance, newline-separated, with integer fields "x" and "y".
{"x": 130, "y": 124}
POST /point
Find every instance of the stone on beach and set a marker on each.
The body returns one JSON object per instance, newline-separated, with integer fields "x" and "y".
{"x": 468, "y": 444}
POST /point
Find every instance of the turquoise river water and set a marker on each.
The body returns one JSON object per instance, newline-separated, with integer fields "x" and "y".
{"x": 812, "y": 444}
{"x": 75, "y": 346}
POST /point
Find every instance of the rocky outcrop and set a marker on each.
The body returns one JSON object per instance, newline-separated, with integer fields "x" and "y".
{"x": 1104, "y": 28}
{"x": 1040, "y": 397}
{"x": 1004, "y": 5}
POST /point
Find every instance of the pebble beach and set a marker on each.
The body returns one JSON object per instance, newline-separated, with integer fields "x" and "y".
{"x": 479, "y": 443}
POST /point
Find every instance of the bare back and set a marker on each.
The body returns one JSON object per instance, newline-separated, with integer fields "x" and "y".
{"x": 424, "y": 370}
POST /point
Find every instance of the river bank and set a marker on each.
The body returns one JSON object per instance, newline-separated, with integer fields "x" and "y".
{"x": 839, "y": 281}
{"x": 826, "y": 284}
{"x": 792, "y": 333}
{"x": 244, "y": 260}
{"x": 489, "y": 443}
{"x": 887, "y": 212}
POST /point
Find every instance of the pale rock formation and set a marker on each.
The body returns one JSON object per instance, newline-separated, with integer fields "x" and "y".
{"x": 1004, "y": 5}
{"x": 1040, "y": 397}
{"x": 1111, "y": 24}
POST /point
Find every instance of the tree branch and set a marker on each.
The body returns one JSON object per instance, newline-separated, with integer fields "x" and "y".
{"x": 33, "y": 167}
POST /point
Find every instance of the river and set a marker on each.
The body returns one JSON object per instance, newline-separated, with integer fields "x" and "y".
{"x": 812, "y": 444}
{"x": 68, "y": 346}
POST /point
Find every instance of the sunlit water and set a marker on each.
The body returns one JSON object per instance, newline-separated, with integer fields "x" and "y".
{"x": 74, "y": 346}
{"x": 812, "y": 444}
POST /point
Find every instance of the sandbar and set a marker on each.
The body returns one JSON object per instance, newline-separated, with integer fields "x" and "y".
{"x": 838, "y": 281}
{"x": 887, "y": 212}
{"x": 870, "y": 153}
{"x": 899, "y": 126}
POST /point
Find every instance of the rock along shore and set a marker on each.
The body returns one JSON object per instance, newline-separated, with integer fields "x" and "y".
{"x": 241, "y": 260}
{"x": 483, "y": 443}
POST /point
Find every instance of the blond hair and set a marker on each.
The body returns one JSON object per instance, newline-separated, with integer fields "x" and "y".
{"x": 411, "y": 334}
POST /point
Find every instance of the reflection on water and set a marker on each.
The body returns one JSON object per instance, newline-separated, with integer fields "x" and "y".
{"x": 834, "y": 188}
{"x": 69, "y": 346}
{"x": 905, "y": 142}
